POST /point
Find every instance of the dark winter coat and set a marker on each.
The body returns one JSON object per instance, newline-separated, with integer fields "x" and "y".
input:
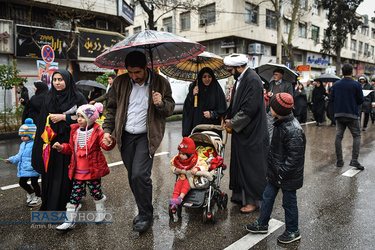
{"x": 369, "y": 99}
{"x": 286, "y": 157}
{"x": 97, "y": 163}
{"x": 347, "y": 96}
{"x": 300, "y": 102}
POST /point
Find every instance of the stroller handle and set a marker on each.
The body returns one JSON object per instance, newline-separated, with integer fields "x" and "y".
{"x": 211, "y": 127}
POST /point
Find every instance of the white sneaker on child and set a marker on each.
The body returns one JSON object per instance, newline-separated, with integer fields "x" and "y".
{"x": 30, "y": 197}
{"x": 36, "y": 201}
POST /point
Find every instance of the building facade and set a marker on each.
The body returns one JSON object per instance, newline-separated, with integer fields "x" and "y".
{"x": 77, "y": 31}
{"x": 250, "y": 27}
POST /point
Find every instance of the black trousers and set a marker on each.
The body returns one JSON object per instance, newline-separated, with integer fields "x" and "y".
{"x": 27, "y": 187}
{"x": 138, "y": 162}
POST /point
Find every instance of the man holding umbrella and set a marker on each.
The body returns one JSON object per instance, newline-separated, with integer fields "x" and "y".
{"x": 246, "y": 116}
{"x": 137, "y": 107}
{"x": 279, "y": 84}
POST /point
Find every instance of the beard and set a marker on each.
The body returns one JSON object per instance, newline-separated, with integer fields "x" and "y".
{"x": 236, "y": 74}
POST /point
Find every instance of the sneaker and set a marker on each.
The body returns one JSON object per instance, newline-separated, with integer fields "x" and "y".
{"x": 355, "y": 163}
{"x": 256, "y": 228}
{"x": 340, "y": 163}
{"x": 30, "y": 197}
{"x": 289, "y": 237}
{"x": 36, "y": 201}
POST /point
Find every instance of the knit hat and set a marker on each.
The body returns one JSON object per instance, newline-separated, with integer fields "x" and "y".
{"x": 187, "y": 146}
{"x": 278, "y": 70}
{"x": 28, "y": 129}
{"x": 90, "y": 112}
{"x": 282, "y": 104}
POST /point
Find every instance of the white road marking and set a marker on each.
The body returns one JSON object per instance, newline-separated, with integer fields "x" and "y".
{"x": 306, "y": 123}
{"x": 109, "y": 165}
{"x": 251, "y": 240}
{"x": 351, "y": 172}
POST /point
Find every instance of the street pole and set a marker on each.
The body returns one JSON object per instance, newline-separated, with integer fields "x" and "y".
{"x": 279, "y": 33}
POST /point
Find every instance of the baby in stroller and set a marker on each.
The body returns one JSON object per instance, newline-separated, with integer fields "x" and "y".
{"x": 185, "y": 164}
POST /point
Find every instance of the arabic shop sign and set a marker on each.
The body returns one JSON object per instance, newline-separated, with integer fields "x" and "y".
{"x": 30, "y": 40}
{"x": 93, "y": 44}
{"x": 317, "y": 60}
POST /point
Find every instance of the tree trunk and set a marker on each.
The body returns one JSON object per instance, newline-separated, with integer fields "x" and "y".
{"x": 338, "y": 61}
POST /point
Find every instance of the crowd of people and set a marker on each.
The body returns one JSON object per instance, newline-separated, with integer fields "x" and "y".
{"x": 267, "y": 140}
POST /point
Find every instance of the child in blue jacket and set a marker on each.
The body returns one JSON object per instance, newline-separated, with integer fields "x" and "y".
{"x": 24, "y": 168}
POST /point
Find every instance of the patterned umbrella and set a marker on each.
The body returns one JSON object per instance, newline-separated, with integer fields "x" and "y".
{"x": 163, "y": 48}
{"x": 189, "y": 69}
{"x": 47, "y": 137}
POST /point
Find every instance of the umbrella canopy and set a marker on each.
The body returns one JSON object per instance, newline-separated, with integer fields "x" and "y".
{"x": 163, "y": 48}
{"x": 189, "y": 69}
{"x": 327, "y": 78}
{"x": 85, "y": 87}
{"x": 266, "y": 71}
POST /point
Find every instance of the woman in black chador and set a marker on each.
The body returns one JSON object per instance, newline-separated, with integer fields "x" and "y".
{"x": 211, "y": 102}
{"x": 61, "y": 103}
{"x": 33, "y": 106}
{"x": 318, "y": 99}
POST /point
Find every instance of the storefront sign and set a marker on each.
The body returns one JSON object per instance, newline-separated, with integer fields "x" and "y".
{"x": 30, "y": 40}
{"x": 125, "y": 11}
{"x": 93, "y": 44}
{"x": 316, "y": 60}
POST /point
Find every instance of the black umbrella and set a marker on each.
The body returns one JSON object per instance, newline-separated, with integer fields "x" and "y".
{"x": 85, "y": 87}
{"x": 327, "y": 78}
{"x": 266, "y": 72}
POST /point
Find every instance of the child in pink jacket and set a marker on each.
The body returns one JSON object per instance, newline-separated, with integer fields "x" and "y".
{"x": 87, "y": 164}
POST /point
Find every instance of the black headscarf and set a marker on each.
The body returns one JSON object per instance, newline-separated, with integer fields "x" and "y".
{"x": 62, "y": 101}
{"x": 210, "y": 98}
{"x": 41, "y": 87}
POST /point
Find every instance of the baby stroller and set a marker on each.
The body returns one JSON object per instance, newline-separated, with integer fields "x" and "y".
{"x": 205, "y": 192}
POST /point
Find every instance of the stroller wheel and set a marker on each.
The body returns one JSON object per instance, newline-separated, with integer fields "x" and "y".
{"x": 205, "y": 215}
{"x": 213, "y": 216}
{"x": 224, "y": 203}
{"x": 170, "y": 212}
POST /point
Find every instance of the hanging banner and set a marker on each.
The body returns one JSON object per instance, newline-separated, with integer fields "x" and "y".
{"x": 45, "y": 71}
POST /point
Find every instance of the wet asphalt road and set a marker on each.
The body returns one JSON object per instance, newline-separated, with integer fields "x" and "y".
{"x": 336, "y": 211}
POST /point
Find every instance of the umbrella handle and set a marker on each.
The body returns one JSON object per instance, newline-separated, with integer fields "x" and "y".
{"x": 195, "y": 101}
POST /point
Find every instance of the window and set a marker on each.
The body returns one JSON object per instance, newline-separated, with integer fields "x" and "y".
{"x": 251, "y": 13}
{"x": 286, "y": 26}
{"x": 372, "y": 50}
{"x": 315, "y": 33}
{"x": 207, "y": 14}
{"x": 372, "y": 33}
{"x": 138, "y": 9}
{"x": 136, "y": 30}
{"x": 101, "y": 24}
{"x": 360, "y": 46}
{"x": 303, "y": 4}
{"x": 365, "y": 31}
{"x": 302, "y": 30}
{"x": 366, "y": 49}
{"x": 167, "y": 24}
{"x": 270, "y": 19}
{"x": 346, "y": 44}
{"x": 185, "y": 21}
{"x": 353, "y": 44}
{"x": 315, "y": 10}
{"x": 326, "y": 13}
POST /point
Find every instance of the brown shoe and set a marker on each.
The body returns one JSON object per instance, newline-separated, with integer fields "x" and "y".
{"x": 248, "y": 209}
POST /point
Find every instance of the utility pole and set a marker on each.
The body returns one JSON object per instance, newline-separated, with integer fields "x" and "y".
{"x": 279, "y": 5}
